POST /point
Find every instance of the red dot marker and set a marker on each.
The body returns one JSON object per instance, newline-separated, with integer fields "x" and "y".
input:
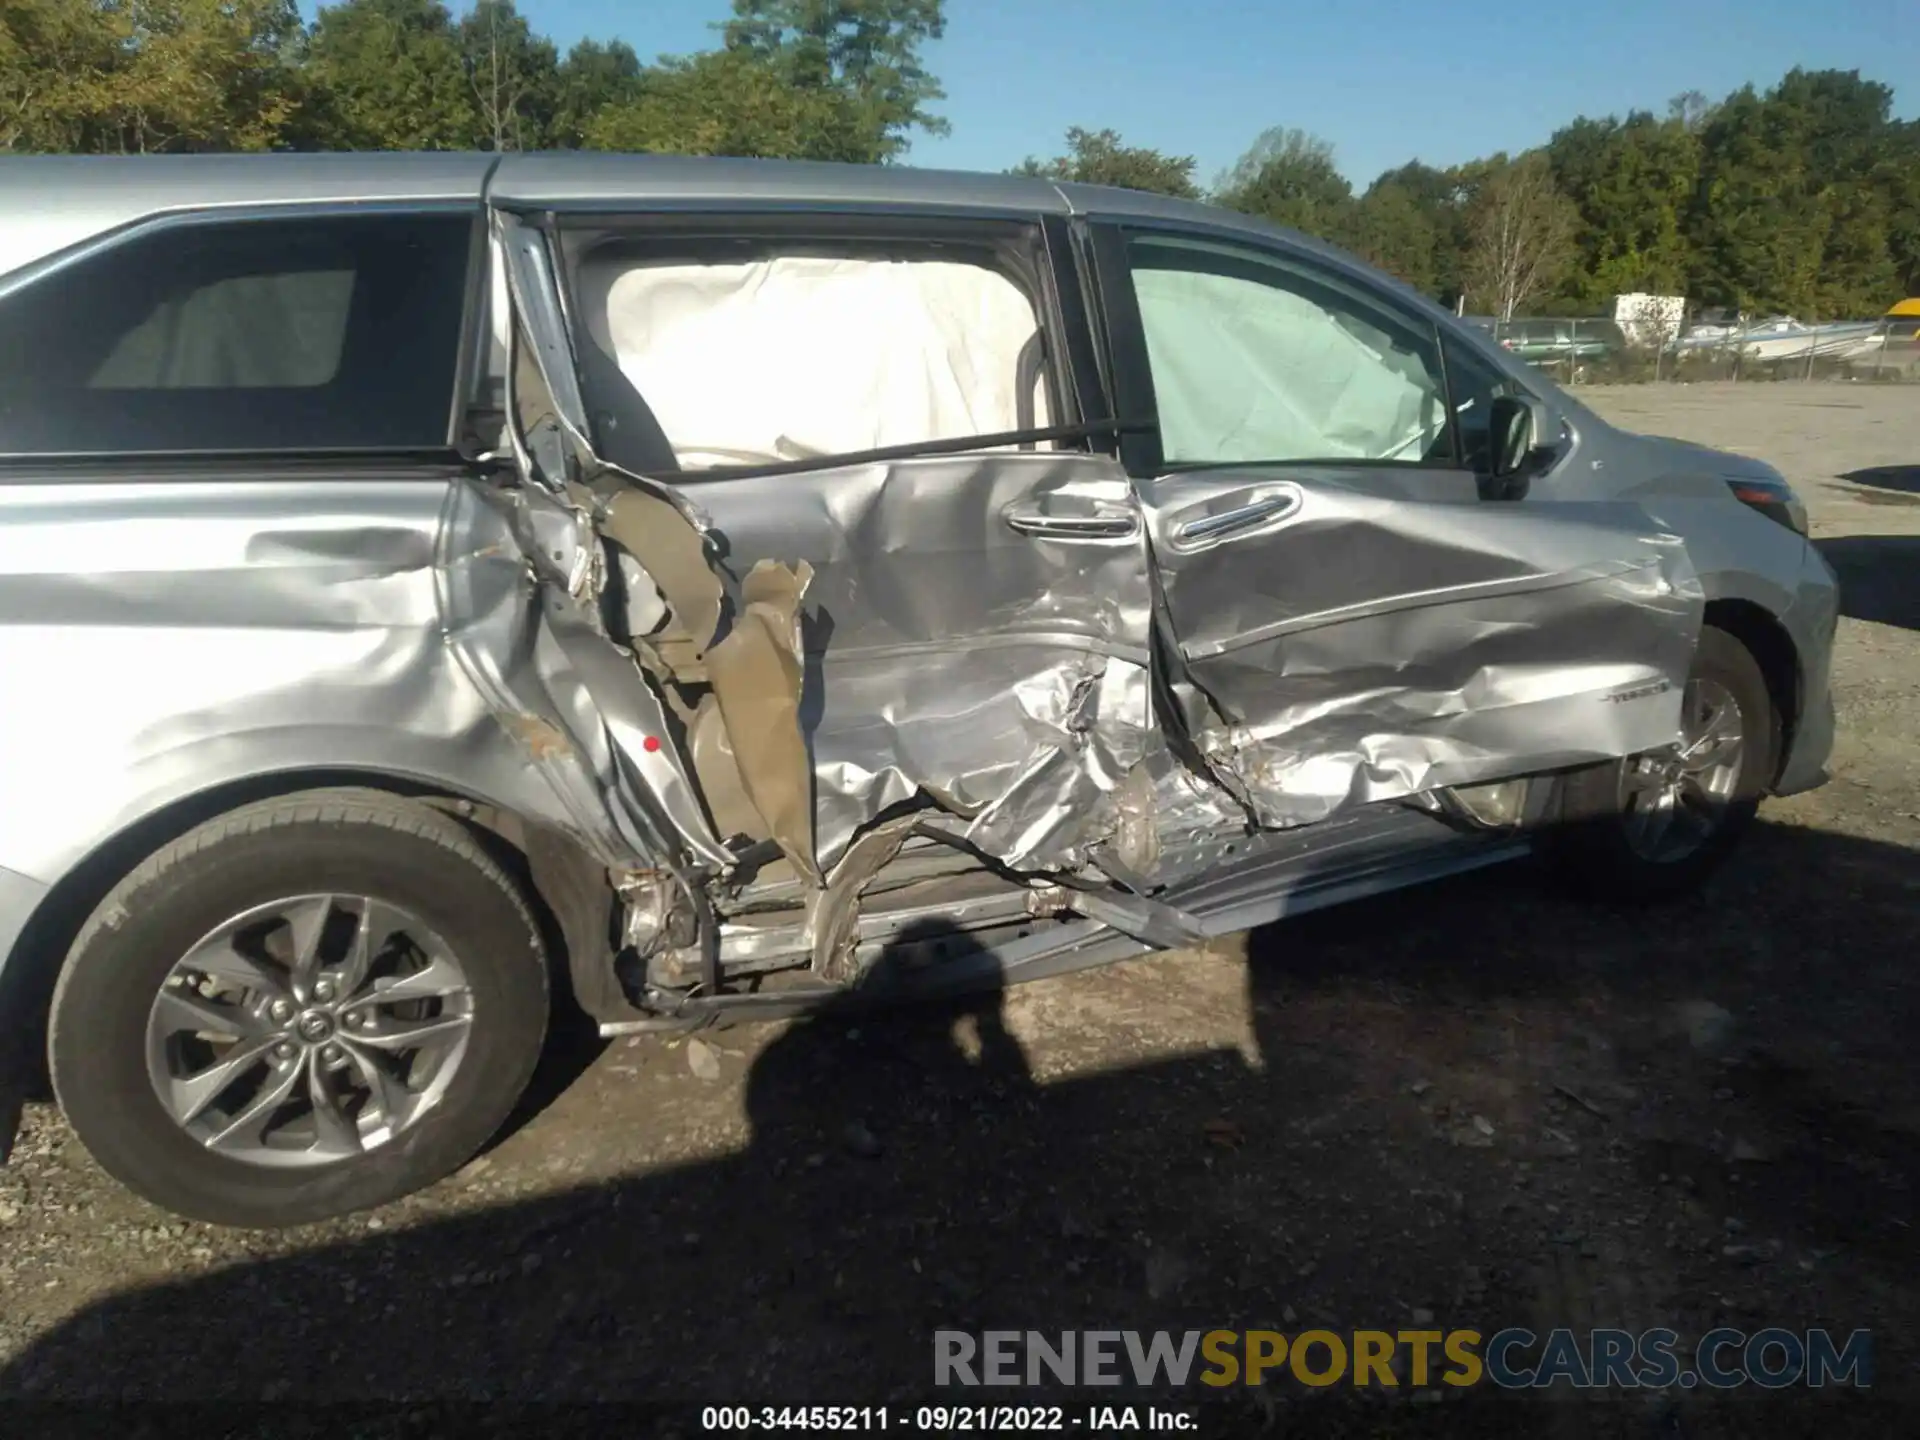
{"x": 650, "y": 744}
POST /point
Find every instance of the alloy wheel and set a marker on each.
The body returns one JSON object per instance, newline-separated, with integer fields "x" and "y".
{"x": 1672, "y": 801}
{"x": 309, "y": 1030}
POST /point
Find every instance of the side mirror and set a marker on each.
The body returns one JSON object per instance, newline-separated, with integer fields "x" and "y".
{"x": 1518, "y": 430}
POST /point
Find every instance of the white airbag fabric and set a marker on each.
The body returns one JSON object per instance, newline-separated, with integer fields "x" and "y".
{"x": 1246, "y": 371}
{"x": 796, "y": 357}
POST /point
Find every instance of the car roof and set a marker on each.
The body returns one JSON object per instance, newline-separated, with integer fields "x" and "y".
{"x": 48, "y": 203}
{"x": 52, "y": 201}
{"x": 589, "y": 177}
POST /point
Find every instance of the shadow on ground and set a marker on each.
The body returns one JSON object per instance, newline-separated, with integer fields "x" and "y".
{"x": 1904, "y": 478}
{"x": 1879, "y": 577}
{"x": 1478, "y": 1100}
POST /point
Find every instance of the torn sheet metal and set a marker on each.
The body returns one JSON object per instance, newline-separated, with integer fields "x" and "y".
{"x": 741, "y": 639}
{"x": 1170, "y": 823}
{"x": 1364, "y": 646}
{"x": 576, "y": 704}
{"x": 972, "y": 633}
{"x": 1088, "y": 729}
{"x": 974, "y": 636}
{"x": 1000, "y": 672}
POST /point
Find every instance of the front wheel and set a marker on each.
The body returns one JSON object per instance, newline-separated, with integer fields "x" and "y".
{"x": 303, "y": 1008}
{"x": 1654, "y": 826}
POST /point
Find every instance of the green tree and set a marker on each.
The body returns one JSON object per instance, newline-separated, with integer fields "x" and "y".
{"x": 866, "y": 52}
{"x": 1441, "y": 197}
{"x": 1755, "y": 233}
{"x": 1898, "y": 179}
{"x": 594, "y": 75}
{"x": 1521, "y": 233}
{"x": 1392, "y": 229}
{"x": 389, "y": 75}
{"x": 1097, "y": 157}
{"x": 1288, "y": 176}
{"x": 141, "y": 76}
{"x": 1797, "y": 209}
{"x": 56, "y": 58}
{"x": 728, "y": 102}
{"x": 513, "y": 75}
{"x": 1632, "y": 182}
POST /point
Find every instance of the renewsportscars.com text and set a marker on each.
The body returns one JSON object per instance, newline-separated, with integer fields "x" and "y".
{"x": 1513, "y": 1358}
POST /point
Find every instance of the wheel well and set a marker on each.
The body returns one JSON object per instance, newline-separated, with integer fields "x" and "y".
{"x": 539, "y": 860}
{"x": 1773, "y": 651}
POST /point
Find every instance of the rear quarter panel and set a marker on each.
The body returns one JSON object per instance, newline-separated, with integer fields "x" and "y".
{"x": 164, "y": 636}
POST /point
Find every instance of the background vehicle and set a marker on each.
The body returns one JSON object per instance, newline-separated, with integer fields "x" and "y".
{"x": 715, "y": 587}
{"x": 1560, "y": 340}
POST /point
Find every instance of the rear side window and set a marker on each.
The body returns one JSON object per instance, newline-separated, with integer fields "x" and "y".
{"x": 294, "y": 334}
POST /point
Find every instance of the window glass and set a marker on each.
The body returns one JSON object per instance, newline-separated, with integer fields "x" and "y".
{"x": 250, "y": 332}
{"x": 1257, "y": 359}
{"x": 789, "y": 357}
{"x": 296, "y": 333}
{"x": 1475, "y": 385}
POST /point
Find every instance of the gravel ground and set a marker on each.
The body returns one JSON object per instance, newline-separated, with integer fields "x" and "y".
{"x": 1479, "y": 1102}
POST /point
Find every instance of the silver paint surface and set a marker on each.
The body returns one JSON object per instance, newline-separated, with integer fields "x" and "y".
{"x": 1386, "y": 633}
{"x": 194, "y": 633}
{"x": 192, "y": 629}
{"x": 948, "y": 655}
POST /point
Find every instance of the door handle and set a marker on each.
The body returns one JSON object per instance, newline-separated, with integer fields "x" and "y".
{"x": 1241, "y": 517}
{"x": 1071, "y": 527}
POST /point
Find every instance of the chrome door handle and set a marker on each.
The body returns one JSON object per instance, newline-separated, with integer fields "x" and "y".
{"x": 1071, "y": 527}
{"x": 1241, "y": 517}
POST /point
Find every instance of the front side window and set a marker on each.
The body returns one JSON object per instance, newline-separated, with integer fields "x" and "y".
{"x": 715, "y": 361}
{"x": 1255, "y": 358}
{"x": 1475, "y": 384}
{"x": 285, "y": 334}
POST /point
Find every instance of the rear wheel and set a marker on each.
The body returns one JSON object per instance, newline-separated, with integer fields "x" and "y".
{"x": 1654, "y": 826}
{"x": 303, "y": 1008}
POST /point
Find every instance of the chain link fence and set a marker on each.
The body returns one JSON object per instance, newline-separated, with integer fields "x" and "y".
{"x": 1595, "y": 350}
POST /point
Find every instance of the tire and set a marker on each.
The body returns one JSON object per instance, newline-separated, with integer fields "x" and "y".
{"x": 485, "y": 1032}
{"x": 1596, "y": 847}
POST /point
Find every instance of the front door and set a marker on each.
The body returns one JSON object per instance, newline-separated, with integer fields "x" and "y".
{"x": 1351, "y": 621}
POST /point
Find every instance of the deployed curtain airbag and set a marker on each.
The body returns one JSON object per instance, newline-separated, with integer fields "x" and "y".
{"x": 800, "y": 356}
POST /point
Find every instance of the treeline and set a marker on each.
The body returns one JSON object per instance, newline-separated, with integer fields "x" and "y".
{"x": 1804, "y": 198}
{"x": 825, "y": 79}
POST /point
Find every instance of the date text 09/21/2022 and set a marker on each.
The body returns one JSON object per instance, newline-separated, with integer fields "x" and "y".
{"x": 947, "y": 1419}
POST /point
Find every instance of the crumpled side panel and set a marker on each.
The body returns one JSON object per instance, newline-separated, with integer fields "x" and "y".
{"x": 742, "y": 640}
{"x": 577, "y": 705}
{"x": 1089, "y": 726}
{"x": 975, "y": 628}
{"x": 1472, "y": 687}
{"x": 1000, "y": 673}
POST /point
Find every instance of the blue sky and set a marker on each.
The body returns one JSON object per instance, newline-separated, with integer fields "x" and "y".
{"x": 1385, "y": 80}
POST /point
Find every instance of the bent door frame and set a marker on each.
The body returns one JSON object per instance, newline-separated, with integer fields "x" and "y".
{"x": 1521, "y": 637}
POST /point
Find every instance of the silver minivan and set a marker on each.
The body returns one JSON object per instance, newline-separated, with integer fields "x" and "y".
{"x": 431, "y": 585}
